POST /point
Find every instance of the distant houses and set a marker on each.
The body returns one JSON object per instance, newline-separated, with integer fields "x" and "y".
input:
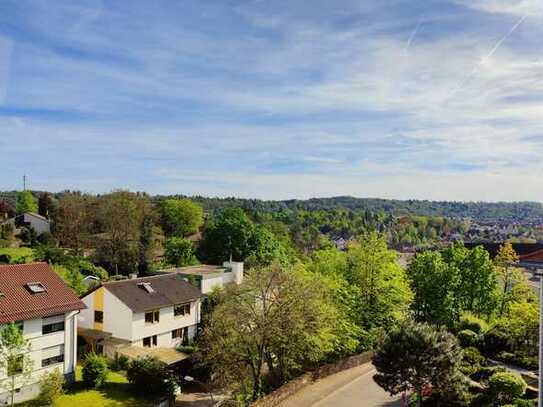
{"x": 36, "y": 299}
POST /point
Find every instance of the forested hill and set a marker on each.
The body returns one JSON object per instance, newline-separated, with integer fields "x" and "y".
{"x": 482, "y": 211}
{"x": 524, "y": 212}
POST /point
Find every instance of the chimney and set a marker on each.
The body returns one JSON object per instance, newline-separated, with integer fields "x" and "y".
{"x": 237, "y": 269}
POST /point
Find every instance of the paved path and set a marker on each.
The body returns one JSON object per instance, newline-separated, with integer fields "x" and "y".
{"x": 351, "y": 388}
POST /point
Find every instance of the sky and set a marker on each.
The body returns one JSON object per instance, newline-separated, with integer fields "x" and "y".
{"x": 274, "y": 99}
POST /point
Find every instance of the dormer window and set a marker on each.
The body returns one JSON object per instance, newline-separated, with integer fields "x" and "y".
{"x": 36, "y": 288}
{"x": 147, "y": 287}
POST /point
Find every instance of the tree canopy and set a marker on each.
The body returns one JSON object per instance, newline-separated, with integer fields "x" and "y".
{"x": 181, "y": 217}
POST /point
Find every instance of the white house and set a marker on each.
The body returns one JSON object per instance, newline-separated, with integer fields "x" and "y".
{"x": 135, "y": 316}
{"x": 208, "y": 277}
{"x": 35, "y": 298}
{"x": 37, "y": 222}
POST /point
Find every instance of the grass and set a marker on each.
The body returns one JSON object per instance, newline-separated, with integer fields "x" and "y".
{"x": 18, "y": 254}
{"x": 115, "y": 393}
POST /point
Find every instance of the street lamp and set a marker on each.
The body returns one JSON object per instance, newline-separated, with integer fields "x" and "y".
{"x": 191, "y": 379}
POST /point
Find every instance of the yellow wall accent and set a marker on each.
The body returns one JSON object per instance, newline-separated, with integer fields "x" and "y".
{"x": 99, "y": 306}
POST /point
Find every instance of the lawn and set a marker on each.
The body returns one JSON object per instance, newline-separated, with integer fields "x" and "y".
{"x": 18, "y": 255}
{"x": 115, "y": 393}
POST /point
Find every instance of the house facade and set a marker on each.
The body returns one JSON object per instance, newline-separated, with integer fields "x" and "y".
{"x": 36, "y": 299}
{"x": 150, "y": 312}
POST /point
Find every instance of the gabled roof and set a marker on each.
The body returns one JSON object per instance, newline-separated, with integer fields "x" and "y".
{"x": 18, "y": 302}
{"x": 536, "y": 256}
{"x": 166, "y": 290}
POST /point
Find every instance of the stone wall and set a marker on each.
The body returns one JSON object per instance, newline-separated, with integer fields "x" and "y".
{"x": 295, "y": 385}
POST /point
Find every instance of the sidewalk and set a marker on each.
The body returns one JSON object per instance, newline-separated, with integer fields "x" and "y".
{"x": 351, "y": 388}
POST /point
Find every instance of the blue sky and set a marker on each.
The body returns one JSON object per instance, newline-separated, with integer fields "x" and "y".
{"x": 274, "y": 99}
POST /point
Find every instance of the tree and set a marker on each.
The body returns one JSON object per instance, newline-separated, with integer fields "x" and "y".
{"x": 233, "y": 235}
{"x": 26, "y": 203}
{"x": 382, "y": 283}
{"x": 15, "y": 361}
{"x": 150, "y": 377}
{"x": 416, "y": 357}
{"x": 95, "y": 370}
{"x": 45, "y": 204}
{"x": 179, "y": 252}
{"x": 72, "y": 221}
{"x": 506, "y": 386}
{"x": 124, "y": 216}
{"x": 433, "y": 283}
{"x": 277, "y": 317}
{"x": 181, "y": 217}
{"x": 509, "y": 274}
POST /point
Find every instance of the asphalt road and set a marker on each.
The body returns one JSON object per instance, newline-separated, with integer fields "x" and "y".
{"x": 352, "y": 388}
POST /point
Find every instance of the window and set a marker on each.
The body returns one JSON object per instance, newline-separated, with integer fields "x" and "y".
{"x": 181, "y": 310}
{"x": 152, "y": 317}
{"x": 150, "y": 341}
{"x": 52, "y": 327}
{"x": 36, "y": 288}
{"x": 99, "y": 316}
{"x": 52, "y": 356}
{"x": 181, "y": 333}
{"x": 147, "y": 287}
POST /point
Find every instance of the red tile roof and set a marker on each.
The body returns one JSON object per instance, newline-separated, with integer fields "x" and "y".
{"x": 16, "y": 301}
{"x": 536, "y": 256}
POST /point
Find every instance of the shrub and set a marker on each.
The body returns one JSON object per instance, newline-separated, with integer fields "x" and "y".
{"x": 51, "y": 388}
{"x": 46, "y": 239}
{"x": 472, "y": 361}
{"x": 494, "y": 341}
{"x": 17, "y": 255}
{"x": 467, "y": 338}
{"x": 120, "y": 362}
{"x": 472, "y": 323}
{"x": 179, "y": 252}
{"x": 95, "y": 370}
{"x": 506, "y": 386}
{"x": 150, "y": 377}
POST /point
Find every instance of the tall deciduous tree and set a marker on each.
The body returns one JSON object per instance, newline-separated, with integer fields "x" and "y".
{"x": 45, "y": 204}
{"x": 413, "y": 357}
{"x": 181, "y": 217}
{"x": 277, "y": 317}
{"x": 510, "y": 275}
{"x": 72, "y": 220}
{"x": 26, "y": 203}
{"x": 381, "y": 281}
{"x": 15, "y": 362}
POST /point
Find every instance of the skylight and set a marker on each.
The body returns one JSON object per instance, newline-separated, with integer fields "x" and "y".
{"x": 36, "y": 288}
{"x": 147, "y": 287}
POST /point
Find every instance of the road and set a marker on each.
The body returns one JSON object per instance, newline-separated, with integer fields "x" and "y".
{"x": 351, "y": 388}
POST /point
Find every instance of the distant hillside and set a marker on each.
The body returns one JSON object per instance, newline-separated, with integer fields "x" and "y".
{"x": 482, "y": 211}
{"x": 524, "y": 212}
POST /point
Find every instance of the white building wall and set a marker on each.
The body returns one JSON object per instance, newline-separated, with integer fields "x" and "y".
{"x": 208, "y": 284}
{"x": 86, "y": 316}
{"x": 39, "y": 225}
{"x": 117, "y": 317}
{"x": 32, "y": 330}
{"x": 167, "y": 323}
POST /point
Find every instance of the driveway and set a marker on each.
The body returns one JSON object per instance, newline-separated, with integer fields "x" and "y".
{"x": 351, "y": 388}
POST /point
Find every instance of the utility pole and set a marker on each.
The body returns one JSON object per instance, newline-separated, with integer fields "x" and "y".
{"x": 24, "y": 182}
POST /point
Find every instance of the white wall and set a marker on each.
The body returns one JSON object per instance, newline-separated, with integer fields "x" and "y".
{"x": 86, "y": 316}
{"x": 208, "y": 284}
{"x": 39, "y": 225}
{"x": 167, "y": 323}
{"x": 32, "y": 330}
{"x": 117, "y": 317}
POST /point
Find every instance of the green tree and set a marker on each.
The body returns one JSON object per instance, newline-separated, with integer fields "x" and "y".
{"x": 46, "y": 205}
{"x": 382, "y": 283}
{"x": 433, "y": 283}
{"x": 15, "y": 361}
{"x": 72, "y": 220}
{"x": 95, "y": 370}
{"x": 72, "y": 277}
{"x": 150, "y": 377}
{"x": 179, "y": 252}
{"x": 26, "y": 203}
{"x": 416, "y": 356}
{"x": 510, "y": 275}
{"x": 277, "y": 317}
{"x": 181, "y": 217}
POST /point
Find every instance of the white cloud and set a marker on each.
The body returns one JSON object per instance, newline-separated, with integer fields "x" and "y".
{"x": 516, "y": 7}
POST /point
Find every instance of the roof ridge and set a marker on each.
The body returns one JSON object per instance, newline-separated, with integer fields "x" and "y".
{"x": 34, "y": 263}
{"x": 136, "y": 279}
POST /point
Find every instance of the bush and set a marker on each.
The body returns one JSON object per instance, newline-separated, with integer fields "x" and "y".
{"x": 494, "y": 341}
{"x": 120, "y": 362}
{"x": 467, "y": 338}
{"x": 506, "y": 386}
{"x": 179, "y": 252}
{"x": 46, "y": 239}
{"x": 150, "y": 377}
{"x": 16, "y": 255}
{"x": 51, "y": 388}
{"x": 472, "y": 323}
{"x": 472, "y": 361}
{"x": 95, "y": 370}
